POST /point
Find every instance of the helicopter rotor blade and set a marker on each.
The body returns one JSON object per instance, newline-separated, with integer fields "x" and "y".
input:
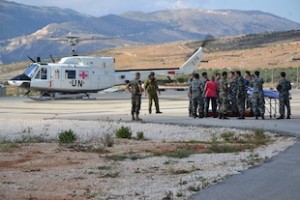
{"x": 52, "y": 58}
{"x": 31, "y": 59}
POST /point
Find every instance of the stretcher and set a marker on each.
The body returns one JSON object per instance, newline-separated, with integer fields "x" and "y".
{"x": 271, "y": 101}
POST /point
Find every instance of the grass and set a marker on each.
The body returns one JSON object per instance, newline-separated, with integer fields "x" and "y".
{"x": 9, "y": 147}
{"x": 30, "y": 139}
{"x": 124, "y": 132}
{"x": 140, "y": 135}
{"x": 122, "y": 157}
{"x": 107, "y": 140}
{"x": 228, "y": 136}
{"x": 67, "y": 137}
{"x": 179, "y": 153}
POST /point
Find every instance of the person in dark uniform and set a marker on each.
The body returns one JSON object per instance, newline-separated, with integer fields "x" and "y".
{"x": 151, "y": 89}
{"x": 283, "y": 87}
{"x": 135, "y": 88}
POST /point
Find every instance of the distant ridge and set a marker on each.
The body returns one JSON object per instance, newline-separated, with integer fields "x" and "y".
{"x": 25, "y": 30}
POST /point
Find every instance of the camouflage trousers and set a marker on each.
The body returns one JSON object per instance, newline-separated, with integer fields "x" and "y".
{"x": 153, "y": 97}
{"x": 284, "y": 101}
{"x": 233, "y": 103}
{"x": 241, "y": 100}
{"x": 258, "y": 103}
{"x": 198, "y": 105}
{"x": 223, "y": 103}
{"x": 135, "y": 104}
{"x": 190, "y": 106}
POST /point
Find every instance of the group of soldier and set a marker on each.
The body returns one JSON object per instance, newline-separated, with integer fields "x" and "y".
{"x": 136, "y": 90}
{"x": 233, "y": 95}
{"x": 225, "y": 95}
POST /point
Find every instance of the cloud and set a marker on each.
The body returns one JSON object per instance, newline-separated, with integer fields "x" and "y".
{"x": 175, "y": 4}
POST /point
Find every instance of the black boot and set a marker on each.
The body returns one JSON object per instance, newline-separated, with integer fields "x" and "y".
{"x": 280, "y": 117}
{"x": 241, "y": 117}
{"x": 220, "y": 116}
{"x": 224, "y": 117}
{"x": 262, "y": 116}
{"x": 288, "y": 116}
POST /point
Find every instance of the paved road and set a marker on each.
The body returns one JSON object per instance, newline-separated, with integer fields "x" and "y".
{"x": 278, "y": 179}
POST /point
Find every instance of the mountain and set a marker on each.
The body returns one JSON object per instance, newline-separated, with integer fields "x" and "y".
{"x": 28, "y": 30}
{"x": 218, "y": 23}
{"x": 20, "y": 20}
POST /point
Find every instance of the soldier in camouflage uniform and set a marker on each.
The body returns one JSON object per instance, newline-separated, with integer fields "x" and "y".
{"x": 283, "y": 87}
{"x": 241, "y": 94}
{"x": 218, "y": 79}
{"x": 196, "y": 93}
{"x": 258, "y": 98}
{"x": 203, "y": 80}
{"x": 135, "y": 88}
{"x": 223, "y": 96}
{"x": 151, "y": 89}
{"x": 232, "y": 94}
{"x": 190, "y": 97}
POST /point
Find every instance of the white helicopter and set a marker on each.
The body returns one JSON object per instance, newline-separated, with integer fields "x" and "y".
{"x": 84, "y": 75}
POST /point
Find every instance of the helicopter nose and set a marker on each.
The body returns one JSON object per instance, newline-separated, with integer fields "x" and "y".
{"x": 20, "y": 81}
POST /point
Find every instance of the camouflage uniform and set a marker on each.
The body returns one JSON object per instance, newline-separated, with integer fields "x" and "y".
{"x": 241, "y": 96}
{"x": 283, "y": 88}
{"x": 258, "y": 98}
{"x": 196, "y": 89}
{"x": 232, "y": 96}
{"x": 190, "y": 99}
{"x": 202, "y": 105}
{"x": 223, "y": 96}
{"x": 135, "y": 96}
{"x": 152, "y": 88}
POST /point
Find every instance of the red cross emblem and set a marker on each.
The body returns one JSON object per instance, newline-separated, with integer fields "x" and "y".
{"x": 83, "y": 75}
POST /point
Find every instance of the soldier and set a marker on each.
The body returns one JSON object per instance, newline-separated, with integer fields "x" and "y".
{"x": 241, "y": 94}
{"x": 232, "y": 94}
{"x": 283, "y": 87}
{"x": 190, "y": 97}
{"x": 135, "y": 88}
{"x": 196, "y": 93}
{"x": 204, "y": 79}
{"x": 258, "y": 98}
{"x": 218, "y": 79}
{"x": 247, "y": 81}
{"x": 223, "y": 96}
{"x": 151, "y": 89}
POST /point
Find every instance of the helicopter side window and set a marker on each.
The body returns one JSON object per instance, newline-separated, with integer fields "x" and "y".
{"x": 42, "y": 74}
{"x": 70, "y": 74}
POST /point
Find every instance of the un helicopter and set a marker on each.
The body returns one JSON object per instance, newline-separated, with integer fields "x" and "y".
{"x": 81, "y": 75}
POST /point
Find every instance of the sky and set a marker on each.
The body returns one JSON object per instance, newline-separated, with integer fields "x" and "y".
{"x": 289, "y": 9}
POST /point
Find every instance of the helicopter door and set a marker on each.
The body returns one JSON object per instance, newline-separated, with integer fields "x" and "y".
{"x": 42, "y": 78}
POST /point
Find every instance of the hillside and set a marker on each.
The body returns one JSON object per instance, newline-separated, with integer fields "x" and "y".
{"x": 26, "y": 30}
{"x": 279, "y": 49}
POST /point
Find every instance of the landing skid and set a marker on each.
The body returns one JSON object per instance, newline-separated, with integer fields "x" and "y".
{"x": 59, "y": 96}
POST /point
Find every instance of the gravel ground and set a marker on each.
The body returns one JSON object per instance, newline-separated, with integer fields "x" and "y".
{"x": 148, "y": 178}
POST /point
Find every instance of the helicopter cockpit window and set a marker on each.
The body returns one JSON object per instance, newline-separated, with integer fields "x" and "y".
{"x": 42, "y": 74}
{"x": 30, "y": 71}
{"x": 70, "y": 74}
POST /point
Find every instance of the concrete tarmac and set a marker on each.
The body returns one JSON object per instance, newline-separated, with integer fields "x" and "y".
{"x": 278, "y": 179}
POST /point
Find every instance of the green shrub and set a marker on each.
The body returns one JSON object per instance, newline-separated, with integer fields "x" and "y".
{"x": 140, "y": 135}
{"x": 179, "y": 153}
{"x": 67, "y": 137}
{"x": 123, "y": 132}
{"x": 228, "y": 136}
